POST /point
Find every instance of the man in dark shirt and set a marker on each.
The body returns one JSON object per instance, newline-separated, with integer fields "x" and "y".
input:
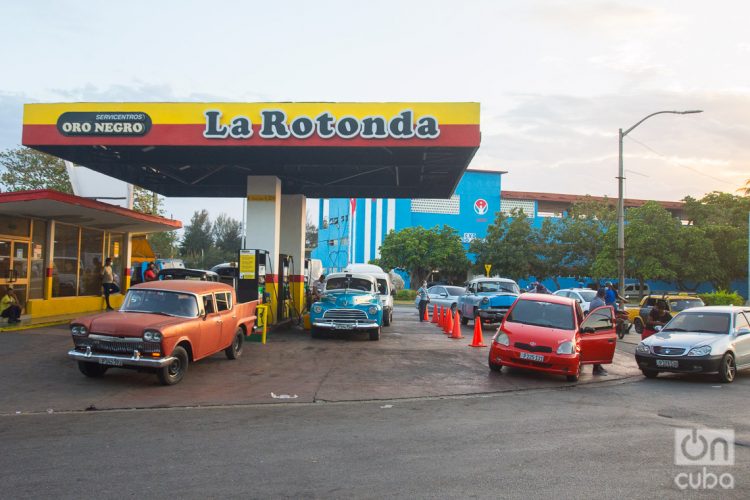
{"x": 658, "y": 316}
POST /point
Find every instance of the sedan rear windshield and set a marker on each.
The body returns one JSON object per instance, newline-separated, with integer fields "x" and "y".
{"x": 682, "y": 304}
{"x": 531, "y": 312}
{"x": 700, "y": 322}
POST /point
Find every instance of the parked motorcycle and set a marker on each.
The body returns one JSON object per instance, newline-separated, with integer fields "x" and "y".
{"x": 622, "y": 322}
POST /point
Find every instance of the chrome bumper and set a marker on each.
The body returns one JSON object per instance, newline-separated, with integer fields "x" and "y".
{"x": 113, "y": 360}
{"x": 335, "y": 325}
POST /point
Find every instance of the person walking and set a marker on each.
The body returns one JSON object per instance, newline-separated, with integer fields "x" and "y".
{"x": 9, "y": 307}
{"x": 108, "y": 282}
{"x": 424, "y": 299}
{"x": 598, "y": 301}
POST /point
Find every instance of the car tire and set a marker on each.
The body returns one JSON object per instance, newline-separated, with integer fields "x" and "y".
{"x": 387, "y": 317}
{"x": 575, "y": 377}
{"x": 464, "y": 319}
{"x": 176, "y": 370}
{"x": 234, "y": 351}
{"x": 497, "y": 368}
{"x": 638, "y": 325}
{"x": 375, "y": 334}
{"x": 650, "y": 373}
{"x": 727, "y": 368}
{"x": 315, "y": 333}
{"x": 93, "y": 370}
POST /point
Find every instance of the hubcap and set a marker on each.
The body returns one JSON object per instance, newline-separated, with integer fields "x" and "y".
{"x": 730, "y": 369}
{"x": 174, "y": 368}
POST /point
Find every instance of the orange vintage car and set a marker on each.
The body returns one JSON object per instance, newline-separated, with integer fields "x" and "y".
{"x": 163, "y": 326}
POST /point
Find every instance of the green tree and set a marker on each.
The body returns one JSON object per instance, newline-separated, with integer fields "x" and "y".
{"x": 423, "y": 251}
{"x": 311, "y": 234}
{"x": 26, "y": 169}
{"x": 723, "y": 217}
{"x": 227, "y": 235}
{"x": 510, "y": 247}
{"x": 164, "y": 244}
{"x": 651, "y": 234}
{"x": 147, "y": 202}
{"x": 197, "y": 240}
{"x": 580, "y": 236}
{"x": 696, "y": 258}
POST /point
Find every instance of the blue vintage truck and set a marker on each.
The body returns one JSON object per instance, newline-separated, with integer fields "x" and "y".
{"x": 487, "y": 298}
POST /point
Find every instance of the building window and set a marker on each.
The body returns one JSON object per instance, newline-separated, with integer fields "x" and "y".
{"x": 437, "y": 205}
{"x": 115, "y": 253}
{"x": 38, "y": 246}
{"x": 15, "y": 226}
{"x": 65, "y": 262}
{"x": 507, "y": 206}
{"x": 90, "y": 269}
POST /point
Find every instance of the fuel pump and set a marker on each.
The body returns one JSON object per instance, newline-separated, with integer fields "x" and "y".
{"x": 251, "y": 284}
{"x": 308, "y": 284}
{"x": 285, "y": 294}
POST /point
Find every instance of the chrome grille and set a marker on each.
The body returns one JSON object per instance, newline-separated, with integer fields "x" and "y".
{"x": 348, "y": 315}
{"x": 668, "y": 351}
{"x": 116, "y": 345}
{"x": 532, "y": 348}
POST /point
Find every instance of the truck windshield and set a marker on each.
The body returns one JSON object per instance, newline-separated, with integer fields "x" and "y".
{"x": 532, "y": 312}
{"x": 160, "y": 302}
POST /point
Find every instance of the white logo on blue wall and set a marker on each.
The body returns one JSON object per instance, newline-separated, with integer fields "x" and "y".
{"x": 481, "y": 206}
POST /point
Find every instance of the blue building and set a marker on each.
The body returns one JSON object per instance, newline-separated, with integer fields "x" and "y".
{"x": 352, "y": 230}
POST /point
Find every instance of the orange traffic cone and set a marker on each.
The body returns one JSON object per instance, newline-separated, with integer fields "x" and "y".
{"x": 456, "y": 334}
{"x": 478, "y": 341}
{"x": 441, "y": 317}
{"x": 434, "y": 313}
{"x": 448, "y": 322}
{"x": 425, "y": 317}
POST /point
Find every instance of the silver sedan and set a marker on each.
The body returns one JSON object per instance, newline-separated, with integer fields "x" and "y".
{"x": 443, "y": 295}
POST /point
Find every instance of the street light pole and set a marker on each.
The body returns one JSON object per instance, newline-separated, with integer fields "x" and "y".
{"x": 621, "y": 201}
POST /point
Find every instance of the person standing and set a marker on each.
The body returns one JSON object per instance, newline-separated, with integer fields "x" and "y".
{"x": 318, "y": 287}
{"x": 108, "y": 282}
{"x": 424, "y": 299}
{"x": 657, "y": 316}
{"x": 150, "y": 274}
{"x": 9, "y": 307}
{"x": 598, "y": 301}
{"x": 611, "y": 296}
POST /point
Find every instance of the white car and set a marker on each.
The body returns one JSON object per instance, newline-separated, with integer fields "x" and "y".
{"x": 583, "y": 296}
{"x": 385, "y": 287}
{"x": 710, "y": 339}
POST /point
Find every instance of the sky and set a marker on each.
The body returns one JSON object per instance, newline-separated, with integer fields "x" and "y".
{"x": 555, "y": 79}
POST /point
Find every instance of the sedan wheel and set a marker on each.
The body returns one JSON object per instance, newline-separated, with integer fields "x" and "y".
{"x": 650, "y": 373}
{"x": 92, "y": 370}
{"x": 576, "y": 376}
{"x": 728, "y": 368}
{"x": 638, "y": 325}
{"x": 235, "y": 350}
{"x": 173, "y": 373}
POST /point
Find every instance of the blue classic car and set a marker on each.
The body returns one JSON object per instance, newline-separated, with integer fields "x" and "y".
{"x": 488, "y": 298}
{"x": 350, "y": 301}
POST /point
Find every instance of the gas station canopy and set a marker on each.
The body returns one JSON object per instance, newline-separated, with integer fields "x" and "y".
{"x": 320, "y": 150}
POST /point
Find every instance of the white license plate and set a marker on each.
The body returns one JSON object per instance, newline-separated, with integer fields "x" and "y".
{"x": 532, "y": 357}
{"x": 667, "y": 363}
{"x": 110, "y": 362}
{"x": 340, "y": 326}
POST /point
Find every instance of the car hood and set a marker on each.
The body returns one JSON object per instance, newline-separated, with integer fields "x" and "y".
{"x": 684, "y": 339}
{"x": 344, "y": 299}
{"x": 552, "y": 337}
{"x": 127, "y": 324}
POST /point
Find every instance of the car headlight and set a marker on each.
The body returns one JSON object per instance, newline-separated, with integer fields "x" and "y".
{"x": 700, "y": 351}
{"x": 643, "y": 348}
{"x": 152, "y": 336}
{"x": 486, "y": 300}
{"x": 79, "y": 330}
{"x": 317, "y": 309}
{"x": 373, "y": 310}
{"x": 502, "y": 339}
{"x": 568, "y": 347}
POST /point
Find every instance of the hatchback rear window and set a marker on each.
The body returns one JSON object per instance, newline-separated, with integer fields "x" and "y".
{"x": 530, "y": 312}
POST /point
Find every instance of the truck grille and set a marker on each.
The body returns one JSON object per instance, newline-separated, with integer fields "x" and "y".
{"x": 346, "y": 315}
{"x": 532, "y": 348}
{"x": 106, "y": 344}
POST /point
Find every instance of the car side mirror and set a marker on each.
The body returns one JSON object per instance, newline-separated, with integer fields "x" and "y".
{"x": 657, "y": 328}
{"x": 443, "y": 295}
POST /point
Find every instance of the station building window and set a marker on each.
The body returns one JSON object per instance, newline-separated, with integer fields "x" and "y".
{"x": 91, "y": 262}
{"x": 38, "y": 247}
{"x": 65, "y": 268}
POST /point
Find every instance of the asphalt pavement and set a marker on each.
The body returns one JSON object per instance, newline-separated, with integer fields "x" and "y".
{"x": 513, "y": 435}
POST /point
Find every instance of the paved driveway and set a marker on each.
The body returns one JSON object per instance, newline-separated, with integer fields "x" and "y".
{"x": 411, "y": 360}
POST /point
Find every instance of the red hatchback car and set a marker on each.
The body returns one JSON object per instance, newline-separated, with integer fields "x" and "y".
{"x": 549, "y": 333}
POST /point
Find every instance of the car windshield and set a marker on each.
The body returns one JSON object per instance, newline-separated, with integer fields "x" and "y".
{"x": 531, "y": 312}
{"x": 350, "y": 283}
{"x": 160, "y": 302}
{"x": 703, "y": 322}
{"x": 497, "y": 286}
{"x": 456, "y": 291}
{"x": 587, "y": 295}
{"x": 682, "y": 304}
